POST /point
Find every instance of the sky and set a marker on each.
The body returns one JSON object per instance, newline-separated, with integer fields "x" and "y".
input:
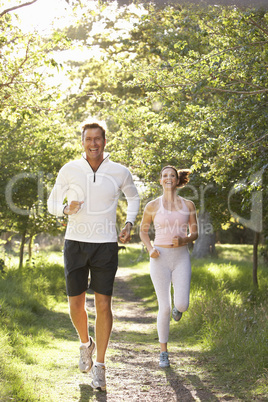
{"x": 42, "y": 14}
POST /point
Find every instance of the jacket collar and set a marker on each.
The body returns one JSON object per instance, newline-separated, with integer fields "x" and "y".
{"x": 106, "y": 157}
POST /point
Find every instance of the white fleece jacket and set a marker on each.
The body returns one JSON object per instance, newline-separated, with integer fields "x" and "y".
{"x": 95, "y": 222}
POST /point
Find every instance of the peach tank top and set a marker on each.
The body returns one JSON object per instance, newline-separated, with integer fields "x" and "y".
{"x": 168, "y": 224}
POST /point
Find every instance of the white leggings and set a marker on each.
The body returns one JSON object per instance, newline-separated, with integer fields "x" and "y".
{"x": 172, "y": 266}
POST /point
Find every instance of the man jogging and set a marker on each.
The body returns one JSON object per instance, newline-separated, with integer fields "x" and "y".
{"x": 91, "y": 186}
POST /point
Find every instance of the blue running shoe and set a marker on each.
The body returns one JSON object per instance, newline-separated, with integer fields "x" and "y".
{"x": 164, "y": 362}
{"x": 176, "y": 314}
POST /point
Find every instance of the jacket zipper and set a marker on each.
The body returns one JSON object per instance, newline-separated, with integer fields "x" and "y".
{"x": 95, "y": 171}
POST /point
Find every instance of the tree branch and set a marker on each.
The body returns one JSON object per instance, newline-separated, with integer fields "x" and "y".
{"x": 209, "y": 56}
{"x": 16, "y": 73}
{"x": 16, "y": 7}
{"x": 238, "y": 92}
{"x": 259, "y": 139}
{"x": 258, "y": 26}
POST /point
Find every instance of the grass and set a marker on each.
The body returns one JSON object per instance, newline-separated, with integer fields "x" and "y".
{"x": 224, "y": 331}
{"x": 28, "y": 302}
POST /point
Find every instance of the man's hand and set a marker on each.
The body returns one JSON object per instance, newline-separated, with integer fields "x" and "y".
{"x": 73, "y": 208}
{"x": 124, "y": 235}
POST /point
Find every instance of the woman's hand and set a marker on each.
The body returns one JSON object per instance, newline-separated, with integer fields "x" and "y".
{"x": 154, "y": 253}
{"x": 178, "y": 241}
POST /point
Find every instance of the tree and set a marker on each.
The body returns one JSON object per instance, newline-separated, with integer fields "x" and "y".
{"x": 194, "y": 94}
{"x": 31, "y": 158}
{"x": 36, "y": 140}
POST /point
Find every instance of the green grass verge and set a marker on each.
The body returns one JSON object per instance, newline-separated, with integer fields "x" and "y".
{"x": 28, "y": 298}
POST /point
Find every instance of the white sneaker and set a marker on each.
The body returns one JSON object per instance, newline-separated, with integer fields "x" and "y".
{"x": 85, "y": 362}
{"x": 98, "y": 378}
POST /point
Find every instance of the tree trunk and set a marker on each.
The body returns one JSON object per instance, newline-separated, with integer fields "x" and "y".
{"x": 205, "y": 244}
{"x": 255, "y": 258}
{"x": 30, "y": 244}
{"x": 23, "y": 239}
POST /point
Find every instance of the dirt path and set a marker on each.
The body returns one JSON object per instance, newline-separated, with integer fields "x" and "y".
{"x": 133, "y": 373}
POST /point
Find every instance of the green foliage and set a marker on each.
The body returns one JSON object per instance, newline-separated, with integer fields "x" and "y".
{"x": 24, "y": 304}
{"x": 23, "y": 90}
{"x": 36, "y": 140}
{"x": 29, "y": 295}
{"x": 186, "y": 64}
{"x": 186, "y": 85}
{"x": 176, "y": 84}
{"x": 31, "y": 159}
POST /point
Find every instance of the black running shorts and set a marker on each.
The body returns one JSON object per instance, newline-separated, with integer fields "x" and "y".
{"x": 99, "y": 261}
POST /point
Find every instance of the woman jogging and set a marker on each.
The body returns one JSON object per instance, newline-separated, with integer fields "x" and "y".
{"x": 175, "y": 225}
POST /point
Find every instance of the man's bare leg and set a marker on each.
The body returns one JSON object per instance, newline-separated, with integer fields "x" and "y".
{"x": 103, "y": 325}
{"x": 79, "y": 318}
{"x": 78, "y": 314}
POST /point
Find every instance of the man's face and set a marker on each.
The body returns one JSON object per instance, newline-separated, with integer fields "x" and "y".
{"x": 93, "y": 144}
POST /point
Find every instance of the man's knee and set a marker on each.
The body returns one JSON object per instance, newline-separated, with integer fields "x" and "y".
{"x": 77, "y": 303}
{"x": 102, "y": 303}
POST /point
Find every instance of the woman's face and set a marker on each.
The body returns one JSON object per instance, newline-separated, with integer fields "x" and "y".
{"x": 169, "y": 179}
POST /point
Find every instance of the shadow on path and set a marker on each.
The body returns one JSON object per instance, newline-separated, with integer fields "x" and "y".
{"x": 86, "y": 394}
{"x": 194, "y": 391}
